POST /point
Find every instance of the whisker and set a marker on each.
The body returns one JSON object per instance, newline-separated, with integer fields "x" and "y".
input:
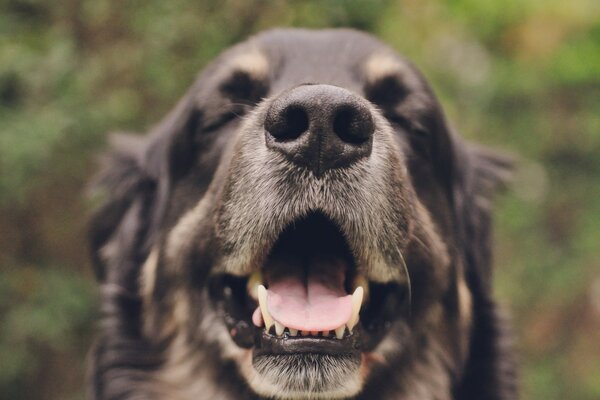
{"x": 237, "y": 114}
{"x": 409, "y": 284}
{"x": 419, "y": 241}
{"x": 240, "y": 104}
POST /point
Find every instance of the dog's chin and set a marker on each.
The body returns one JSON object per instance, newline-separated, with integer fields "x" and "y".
{"x": 306, "y": 375}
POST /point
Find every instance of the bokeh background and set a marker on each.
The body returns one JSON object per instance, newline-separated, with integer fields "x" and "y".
{"x": 519, "y": 75}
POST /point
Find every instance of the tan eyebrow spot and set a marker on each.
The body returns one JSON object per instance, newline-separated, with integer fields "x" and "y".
{"x": 253, "y": 62}
{"x": 380, "y": 66}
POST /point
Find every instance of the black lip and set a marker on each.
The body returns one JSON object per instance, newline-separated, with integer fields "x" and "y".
{"x": 268, "y": 344}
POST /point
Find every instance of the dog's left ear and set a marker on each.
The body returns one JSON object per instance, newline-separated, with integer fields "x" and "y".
{"x": 471, "y": 175}
{"x": 490, "y": 371}
{"x": 478, "y": 174}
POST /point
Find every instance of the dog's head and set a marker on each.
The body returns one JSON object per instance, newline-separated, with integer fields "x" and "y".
{"x": 304, "y": 223}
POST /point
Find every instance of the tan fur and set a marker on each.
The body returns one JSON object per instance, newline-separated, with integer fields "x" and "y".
{"x": 465, "y": 304}
{"x": 383, "y": 65}
{"x": 178, "y": 239}
{"x": 147, "y": 283}
{"x": 252, "y": 62}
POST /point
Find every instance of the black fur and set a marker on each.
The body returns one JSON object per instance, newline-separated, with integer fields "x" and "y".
{"x": 148, "y": 183}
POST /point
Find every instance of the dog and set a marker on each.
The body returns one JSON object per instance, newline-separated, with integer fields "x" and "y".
{"x": 304, "y": 224}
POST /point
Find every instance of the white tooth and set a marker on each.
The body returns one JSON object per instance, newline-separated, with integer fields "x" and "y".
{"x": 279, "y": 328}
{"x": 254, "y": 281}
{"x": 262, "y": 303}
{"x": 357, "y": 298}
{"x": 293, "y": 332}
{"x": 339, "y": 332}
{"x": 360, "y": 280}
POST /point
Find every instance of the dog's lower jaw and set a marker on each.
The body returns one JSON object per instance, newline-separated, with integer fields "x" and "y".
{"x": 307, "y": 376}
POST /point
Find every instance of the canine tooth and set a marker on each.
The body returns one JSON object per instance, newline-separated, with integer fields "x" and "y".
{"x": 361, "y": 280}
{"x": 279, "y": 328}
{"x": 262, "y": 303}
{"x": 339, "y": 332}
{"x": 357, "y": 298}
{"x": 293, "y": 332}
{"x": 254, "y": 281}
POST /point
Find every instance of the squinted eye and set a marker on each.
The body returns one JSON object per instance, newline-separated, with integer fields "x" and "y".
{"x": 242, "y": 87}
{"x": 386, "y": 91}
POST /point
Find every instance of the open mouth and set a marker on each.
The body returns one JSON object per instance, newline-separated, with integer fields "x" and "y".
{"x": 308, "y": 297}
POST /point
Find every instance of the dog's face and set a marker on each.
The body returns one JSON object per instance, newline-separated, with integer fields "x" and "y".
{"x": 294, "y": 227}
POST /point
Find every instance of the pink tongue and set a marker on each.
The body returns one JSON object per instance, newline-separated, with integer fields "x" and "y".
{"x": 314, "y": 307}
{"x": 318, "y": 302}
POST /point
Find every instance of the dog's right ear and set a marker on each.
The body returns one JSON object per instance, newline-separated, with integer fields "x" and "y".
{"x": 134, "y": 185}
{"x": 120, "y": 181}
{"x": 171, "y": 151}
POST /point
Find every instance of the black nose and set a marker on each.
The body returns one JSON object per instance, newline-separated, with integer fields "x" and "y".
{"x": 320, "y": 127}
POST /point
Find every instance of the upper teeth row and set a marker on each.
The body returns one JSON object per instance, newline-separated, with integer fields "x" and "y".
{"x": 256, "y": 279}
{"x": 357, "y": 298}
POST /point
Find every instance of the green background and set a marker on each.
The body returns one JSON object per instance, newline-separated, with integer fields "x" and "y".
{"x": 523, "y": 76}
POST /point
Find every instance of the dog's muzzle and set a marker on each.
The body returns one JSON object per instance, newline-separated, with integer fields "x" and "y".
{"x": 312, "y": 228}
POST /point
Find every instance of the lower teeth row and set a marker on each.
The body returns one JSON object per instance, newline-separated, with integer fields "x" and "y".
{"x": 338, "y": 333}
{"x": 357, "y": 299}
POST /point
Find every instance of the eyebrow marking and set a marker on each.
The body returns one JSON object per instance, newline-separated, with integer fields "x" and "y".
{"x": 383, "y": 65}
{"x": 253, "y": 62}
{"x": 379, "y": 66}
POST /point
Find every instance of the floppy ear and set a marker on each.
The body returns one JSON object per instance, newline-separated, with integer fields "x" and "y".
{"x": 171, "y": 151}
{"x": 134, "y": 182}
{"x": 479, "y": 173}
{"x": 490, "y": 371}
{"x": 121, "y": 180}
{"x": 134, "y": 185}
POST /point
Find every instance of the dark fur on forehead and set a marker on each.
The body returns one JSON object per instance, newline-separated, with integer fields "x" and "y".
{"x": 148, "y": 183}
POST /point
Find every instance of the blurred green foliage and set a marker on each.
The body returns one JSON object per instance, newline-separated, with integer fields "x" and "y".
{"x": 523, "y": 75}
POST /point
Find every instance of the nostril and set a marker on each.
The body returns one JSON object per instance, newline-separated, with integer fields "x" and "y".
{"x": 353, "y": 125}
{"x": 319, "y": 127}
{"x": 287, "y": 124}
